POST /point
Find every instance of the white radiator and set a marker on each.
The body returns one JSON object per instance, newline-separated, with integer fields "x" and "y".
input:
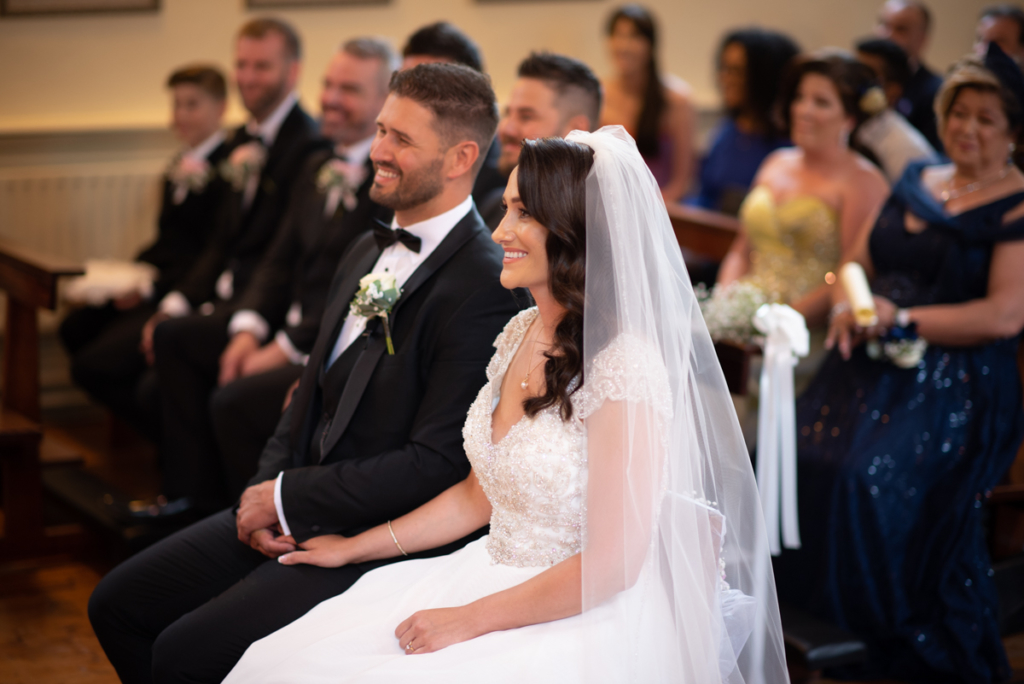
{"x": 81, "y": 211}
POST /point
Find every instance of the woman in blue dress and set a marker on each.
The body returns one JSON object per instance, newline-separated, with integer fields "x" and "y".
{"x": 750, "y": 67}
{"x": 895, "y": 462}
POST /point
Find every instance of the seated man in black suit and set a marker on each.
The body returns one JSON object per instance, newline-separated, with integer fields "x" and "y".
{"x": 282, "y": 305}
{"x": 553, "y": 95}
{"x": 103, "y": 341}
{"x": 908, "y": 23}
{"x": 369, "y": 434}
{"x": 441, "y": 42}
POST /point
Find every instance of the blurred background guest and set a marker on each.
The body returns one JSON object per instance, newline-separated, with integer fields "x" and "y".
{"x": 1003, "y": 25}
{"x": 810, "y": 201}
{"x": 888, "y": 136}
{"x": 103, "y": 342}
{"x": 908, "y": 23}
{"x": 654, "y": 107}
{"x": 750, "y": 66}
{"x": 443, "y": 42}
{"x": 896, "y": 453}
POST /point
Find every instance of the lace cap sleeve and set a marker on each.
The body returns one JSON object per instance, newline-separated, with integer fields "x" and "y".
{"x": 629, "y": 369}
{"x": 508, "y": 340}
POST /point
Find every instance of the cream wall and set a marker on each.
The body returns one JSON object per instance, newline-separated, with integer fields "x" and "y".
{"x": 106, "y": 71}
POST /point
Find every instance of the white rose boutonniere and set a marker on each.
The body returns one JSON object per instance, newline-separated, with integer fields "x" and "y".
{"x": 188, "y": 173}
{"x": 377, "y": 295}
{"x": 245, "y": 162}
{"x": 347, "y": 177}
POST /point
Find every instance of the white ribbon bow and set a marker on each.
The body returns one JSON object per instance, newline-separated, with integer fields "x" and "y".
{"x": 786, "y": 339}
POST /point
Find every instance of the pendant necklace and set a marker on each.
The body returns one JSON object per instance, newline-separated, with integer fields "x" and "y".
{"x": 533, "y": 348}
{"x": 952, "y": 193}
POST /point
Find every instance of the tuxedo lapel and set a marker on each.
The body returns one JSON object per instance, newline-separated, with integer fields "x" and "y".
{"x": 362, "y": 372}
{"x": 329, "y": 330}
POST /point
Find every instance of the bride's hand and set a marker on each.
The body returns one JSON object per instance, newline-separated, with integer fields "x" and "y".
{"x": 427, "y": 631}
{"x": 327, "y": 551}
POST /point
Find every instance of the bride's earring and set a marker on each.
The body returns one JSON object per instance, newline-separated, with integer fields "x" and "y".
{"x": 1012, "y": 149}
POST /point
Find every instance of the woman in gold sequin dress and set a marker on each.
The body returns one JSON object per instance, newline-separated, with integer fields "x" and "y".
{"x": 626, "y": 541}
{"x": 810, "y": 201}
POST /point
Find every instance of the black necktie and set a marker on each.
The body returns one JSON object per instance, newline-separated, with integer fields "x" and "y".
{"x": 386, "y": 237}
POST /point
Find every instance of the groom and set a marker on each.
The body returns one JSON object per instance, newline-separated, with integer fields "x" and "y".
{"x": 369, "y": 435}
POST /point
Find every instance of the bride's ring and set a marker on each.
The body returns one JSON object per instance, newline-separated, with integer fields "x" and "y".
{"x": 408, "y": 647}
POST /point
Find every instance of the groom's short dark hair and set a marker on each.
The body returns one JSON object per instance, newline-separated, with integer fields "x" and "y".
{"x": 576, "y": 86}
{"x": 460, "y": 98}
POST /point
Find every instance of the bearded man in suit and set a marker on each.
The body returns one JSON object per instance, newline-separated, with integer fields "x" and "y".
{"x": 370, "y": 434}
{"x": 220, "y": 360}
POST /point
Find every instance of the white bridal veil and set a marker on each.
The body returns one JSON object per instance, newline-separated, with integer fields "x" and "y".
{"x": 676, "y": 556}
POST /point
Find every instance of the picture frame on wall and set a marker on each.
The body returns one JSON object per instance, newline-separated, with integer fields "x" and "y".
{"x": 15, "y": 8}
{"x": 284, "y": 4}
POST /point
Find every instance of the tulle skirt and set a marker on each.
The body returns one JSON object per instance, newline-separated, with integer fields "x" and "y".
{"x": 351, "y": 638}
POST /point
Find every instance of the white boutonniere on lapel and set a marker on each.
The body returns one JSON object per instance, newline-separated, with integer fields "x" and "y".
{"x": 245, "y": 162}
{"x": 186, "y": 173}
{"x": 344, "y": 176}
{"x": 377, "y": 295}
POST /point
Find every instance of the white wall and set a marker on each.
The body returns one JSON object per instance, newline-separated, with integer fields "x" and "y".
{"x": 106, "y": 71}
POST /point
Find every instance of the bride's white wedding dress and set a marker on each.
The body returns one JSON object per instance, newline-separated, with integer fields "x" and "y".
{"x": 535, "y": 479}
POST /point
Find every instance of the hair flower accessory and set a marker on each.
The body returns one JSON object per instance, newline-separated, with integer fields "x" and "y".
{"x": 873, "y": 101}
{"x": 245, "y": 162}
{"x": 343, "y": 175}
{"x": 377, "y": 295}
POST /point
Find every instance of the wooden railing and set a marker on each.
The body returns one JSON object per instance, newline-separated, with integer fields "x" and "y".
{"x": 30, "y": 281}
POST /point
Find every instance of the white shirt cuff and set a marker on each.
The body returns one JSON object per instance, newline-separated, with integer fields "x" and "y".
{"x": 175, "y": 305}
{"x": 248, "y": 320}
{"x": 280, "y": 508}
{"x": 294, "y": 355}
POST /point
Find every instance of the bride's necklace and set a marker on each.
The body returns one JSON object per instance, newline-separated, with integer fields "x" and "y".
{"x": 533, "y": 348}
{"x": 951, "y": 193}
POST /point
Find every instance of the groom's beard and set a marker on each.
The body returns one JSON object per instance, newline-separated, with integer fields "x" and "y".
{"x": 411, "y": 190}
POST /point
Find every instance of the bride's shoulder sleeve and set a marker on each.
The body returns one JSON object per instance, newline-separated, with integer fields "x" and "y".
{"x": 506, "y": 341}
{"x": 631, "y": 370}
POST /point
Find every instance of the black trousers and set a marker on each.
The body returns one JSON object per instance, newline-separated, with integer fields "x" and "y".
{"x": 245, "y": 414}
{"x": 187, "y": 608}
{"x": 103, "y": 344}
{"x": 187, "y": 354}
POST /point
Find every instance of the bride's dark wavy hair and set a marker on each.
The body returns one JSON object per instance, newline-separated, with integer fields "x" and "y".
{"x": 553, "y": 189}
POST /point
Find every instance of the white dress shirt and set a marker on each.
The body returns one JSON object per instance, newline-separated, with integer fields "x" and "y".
{"x": 175, "y": 304}
{"x": 401, "y": 262}
{"x": 248, "y": 320}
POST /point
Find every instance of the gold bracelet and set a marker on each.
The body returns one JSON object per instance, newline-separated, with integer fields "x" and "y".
{"x": 393, "y": 537}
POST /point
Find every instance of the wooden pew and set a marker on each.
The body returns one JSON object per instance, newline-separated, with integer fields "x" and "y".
{"x": 30, "y": 281}
{"x": 709, "y": 235}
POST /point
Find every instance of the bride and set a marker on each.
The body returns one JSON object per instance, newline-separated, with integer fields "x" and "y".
{"x": 626, "y": 541}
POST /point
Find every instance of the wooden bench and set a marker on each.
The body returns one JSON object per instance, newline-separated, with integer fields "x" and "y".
{"x": 30, "y": 281}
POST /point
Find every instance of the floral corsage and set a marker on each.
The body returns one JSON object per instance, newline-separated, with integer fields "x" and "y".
{"x": 347, "y": 177}
{"x": 188, "y": 172}
{"x": 900, "y": 345}
{"x": 377, "y": 295}
{"x": 245, "y": 162}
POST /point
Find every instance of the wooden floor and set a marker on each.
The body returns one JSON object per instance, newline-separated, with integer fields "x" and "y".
{"x": 45, "y": 636}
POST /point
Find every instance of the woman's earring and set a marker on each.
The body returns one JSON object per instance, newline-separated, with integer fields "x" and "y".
{"x": 1013, "y": 148}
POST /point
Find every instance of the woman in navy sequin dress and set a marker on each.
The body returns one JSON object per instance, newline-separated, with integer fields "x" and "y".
{"x": 895, "y": 464}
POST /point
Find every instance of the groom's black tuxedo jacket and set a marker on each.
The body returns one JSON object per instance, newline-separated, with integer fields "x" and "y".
{"x": 243, "y": 235}
{"x": 301, "y": 261}
{"x": 394, "y": 440}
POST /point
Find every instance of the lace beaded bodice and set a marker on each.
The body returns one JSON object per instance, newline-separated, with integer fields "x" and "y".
{"x": 535, "y": 476}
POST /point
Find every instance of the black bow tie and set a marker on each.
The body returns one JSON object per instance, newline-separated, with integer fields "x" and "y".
{"x": 386, "y": 237}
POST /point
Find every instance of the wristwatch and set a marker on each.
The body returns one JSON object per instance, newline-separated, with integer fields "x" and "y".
{"x": 902, "y": 318}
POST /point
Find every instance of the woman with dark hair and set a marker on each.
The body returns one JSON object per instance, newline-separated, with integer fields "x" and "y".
{"x": 750, "y": 65}
{"x": 654, "y": 108}
{"x": 626, "y": 541}
{"x": 810, "y": 201}
{"x": 912, "y": 421}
